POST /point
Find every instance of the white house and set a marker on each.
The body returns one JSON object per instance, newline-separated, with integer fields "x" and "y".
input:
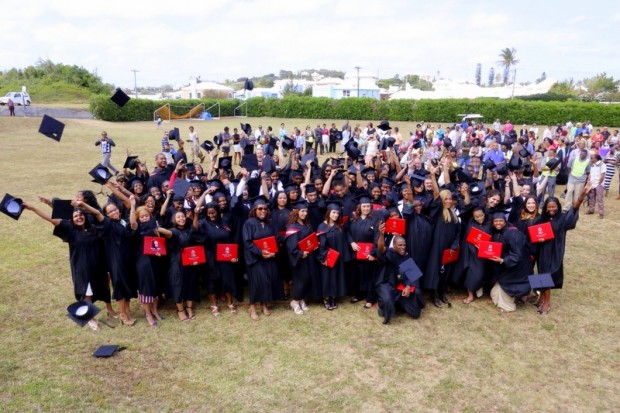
{"x": 365, "y": 83}
{"x": 197, "y": 90}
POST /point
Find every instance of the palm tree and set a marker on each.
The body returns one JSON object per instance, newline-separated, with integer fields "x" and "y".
{"x": 507, "y": 59}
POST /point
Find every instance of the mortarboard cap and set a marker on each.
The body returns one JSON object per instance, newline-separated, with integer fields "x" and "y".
{"x": 475, "y": 189}
{"x": 215, "y": 183}
{"x": 82, "y": 312}
{"x": 119, "y": 97}
{"x": 553, "y": 163}
{"x": 352, "y": 150}
{"x": 11, "y": 206}
{"x": 541, "y": 281}
{"x": 310, "y": 188}
{"x": 368, "y": 170}
{"x": 107, "y": 351}
{"x": 259, "y": 200}
{"x": 225, "y": 162}
{"x": 246, "y": 128}
{"x": 333, "y": 204}
{"x": 387, "y": 181}
{"x": 462, "y": 175}
{"x": 249, "y": 162}
{"x": 410, "y": 271}
{"x": 253, "y": 185}
{"x": 489, "y": 164}
{"x": 133, "y": 181}
{"x": 384, "y": 125}
{"x": 100, "y": 174}
{"x": 248, "y": 84}
{"x": 309, "y": 157}
{"x": 447, "y": 142}
{"x": 301, "y": 204}
{"x": 130, "y": 162}
{"x": 287, "y": 143}
{"x": 180, "y": 187}
{"x": 501, "y": 169}
{"x": 174, "y": 134}
{"x": 51, "y": 128}
{"x": 62, "y": 209}
{"x": 515, "y": 163}
{"x": 362, "y": 197}
{"x": 290, "y": 187}
{"x": 416, "y": 144}
{"x": 207, "y": 145}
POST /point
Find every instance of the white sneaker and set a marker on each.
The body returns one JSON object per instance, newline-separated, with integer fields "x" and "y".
{"x": 296, "y": 308}
{"x": 303, "y": 305}
{"x": 93, "y": 324}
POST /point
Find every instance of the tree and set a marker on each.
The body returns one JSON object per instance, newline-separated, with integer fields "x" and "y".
{"x": 542, "y": 78}
{"x": 417, "y": 83}
{"x": 491, "y": 76}
{"x": 565, "y": 88}
{"x": 478, "y": 74}
{"x": 601, "y": 83}
{"x": 507, "y": 59}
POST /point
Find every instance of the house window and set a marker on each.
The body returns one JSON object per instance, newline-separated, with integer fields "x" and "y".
{"x": 198, "y": 95}
{"x": 346, "y": 93}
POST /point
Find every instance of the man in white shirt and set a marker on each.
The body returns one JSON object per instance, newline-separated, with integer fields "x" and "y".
{"x": 497, "y": 125}
{"x": 597, "y": 175}
{"x": 194, "y": 144}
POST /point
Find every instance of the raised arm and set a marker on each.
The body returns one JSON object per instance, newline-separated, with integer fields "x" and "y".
{"x": 84, "y": 206}
{"x": 133, "y": 222}
{"x": 45, "y": 215}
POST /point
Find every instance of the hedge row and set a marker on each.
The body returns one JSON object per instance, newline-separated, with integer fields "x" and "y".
{"x": 440, "y": 110}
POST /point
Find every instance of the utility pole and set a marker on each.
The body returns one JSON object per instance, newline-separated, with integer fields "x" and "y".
{"x": 135, "y": 83}
{"x": 358, "y": 80}
{"x": 514, "y": 81}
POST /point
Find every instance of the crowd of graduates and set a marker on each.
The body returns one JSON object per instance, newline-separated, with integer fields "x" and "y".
{"x": 414, "y": 219}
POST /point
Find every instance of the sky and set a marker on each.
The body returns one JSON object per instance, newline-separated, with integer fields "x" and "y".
{"x": 168, "y": 42}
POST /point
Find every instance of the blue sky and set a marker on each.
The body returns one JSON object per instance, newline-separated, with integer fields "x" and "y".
{"x": 168, "y": 42}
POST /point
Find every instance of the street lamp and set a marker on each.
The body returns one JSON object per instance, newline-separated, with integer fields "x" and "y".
{"x": 135, "y": 83}
{"x": 358, "y": 80}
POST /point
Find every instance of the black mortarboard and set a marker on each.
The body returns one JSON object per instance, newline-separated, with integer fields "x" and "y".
{"x": 541, "y": 281}
{"x": 100, "y": 174}
{"x": 475, "y": 189}
{"x": 362, "y": 197}
{"x": 12, "y": 206}
{"x": 287, "y": 143}
{"x": 447, "y": 142}
{"x": 386, "y": 143}
{"x": 353, "y": 170}
{"x": 273, "y": 142}
{"x": 309, "y": 157}
{"x": 107, "y": 351}
{"x": 133, "y": 181}
{"x": 225, "y": 162}
{"x": 369, "y": 170}
{"x": 310, "y": 188}
{"x": 62, "y": 209}
{"x": 410, "y": 271}
{"x": 290, "y": 187}
{"x": 51, "y": 128}
{"x": 524, "y": 153}
{"x": 217, "y": 139}
{"x": 246, "y": 128}
{"x": 207, "y": 145}
{"x": 338, "y": 175}
{"x": 82, "y": 312}
{"x": 527, "y": 170}
{"x": 215, "y": 183}
{"x": 352, "y": 150}
{"x": 249, "y": 162}
{"x": 253, "y": 185}
{"x": 248, "y": 84}
{"x": 384, "y": 125}
{"x": 387, "y": 181}
{"x": 515, "y": 163}
{"x": 130, "y": 162}
{"x": 174, "y": 134}
{"x": 180, "y": 187}
{"x": 462, "y": 175}
{"x": 333, "y": 204}
{"x": 259, "y": 200}
{"x": 553, "y": 163}
{"x": 499, "y": 214}
{"x": 501, "y": 169}
{"x": 301, "y": 204}
{"x": 416, "y": 144}
{"x": 489, "y": 164}
{"x": 190, "y": 166}
{"x": 119, "y": 97}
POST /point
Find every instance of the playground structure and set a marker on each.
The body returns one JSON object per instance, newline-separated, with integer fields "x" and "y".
{"x": 241, "y": 111}
{"x": 199, "y": 112}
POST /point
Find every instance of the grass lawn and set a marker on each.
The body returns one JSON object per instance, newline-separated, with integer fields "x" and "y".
{"x": 468, "y": 358}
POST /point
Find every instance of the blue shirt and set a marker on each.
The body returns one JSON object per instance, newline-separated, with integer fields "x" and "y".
{"x": 496, "y": 156}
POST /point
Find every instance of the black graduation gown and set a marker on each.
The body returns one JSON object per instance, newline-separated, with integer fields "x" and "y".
{"x": 316, "y": 213}
{"x": 364, "y": 230}
{"x": 470, "y": 271}
{"x": 551, "y": 253}
{"x": 241, "y": 210}
{"x": 211, "y": 234}
{"x": 279, "y": 219}
{"x": 119, "y": 253}
{"x": 333, "y": 280}
{"x": 264, "y": 282}
{"x": 146, "y": 265}
{"x": 306, "y": 280}
{"x": 512, "y": 274}
{"x": 389, "y": 298}
{"x": 445, "y": 236}
{"x": 419, "y": 236}
{"x": 182, "y": 280}
{"x": 86, "y": 260}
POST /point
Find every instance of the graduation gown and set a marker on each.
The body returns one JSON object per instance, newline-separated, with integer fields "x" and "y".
{"x": 419, "y": 235}
{"x": 470, "y": 271}
{"x": 279, "y": 219}
{"x": 306, "y": 282}
{"x": 551, "y": 253}
{"x": 86, "y": 260}
{"x": 182, "y": 280}
{"x": 119, "y": 254}
{"x": 390, "y": 298}
{"x": 316, "y": 213}
{"x": 512, "y": 274}
{"x": 264, "y": 282}
{"x": 333, "y": 280}
{"x": 210, "y": 234}
{"x": 146, "y": 265}
{"x": 364, "y": 230}
{"x": 445, "y": 236}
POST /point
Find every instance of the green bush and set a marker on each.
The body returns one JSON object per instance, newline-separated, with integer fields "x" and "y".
{"x": 439, "y": 110}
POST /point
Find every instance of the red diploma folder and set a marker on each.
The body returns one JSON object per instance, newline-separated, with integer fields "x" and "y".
{"x": 268, "y": 244}
{"x": 395, "y": 226}
{"x": 226, "y": 252}
{"x": 490, "y": 249}
{"x": 309, "y": 244}
{"x": 475, "y": 236}
{"x": 364, "y": 251}
{"x": 344, "y": 220}
{"x": 401, "y": 287}
{"x": 541, "y": 233}
{"x": 332, "y": 257}
{"x": 376, "y": 207}
{"x": 449, "y": 256}
{"x": 154, "y": 246}
{"x": 193, "y": 255}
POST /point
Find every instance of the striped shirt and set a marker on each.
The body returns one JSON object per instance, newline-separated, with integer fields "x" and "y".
{"x": 106, "y": 145}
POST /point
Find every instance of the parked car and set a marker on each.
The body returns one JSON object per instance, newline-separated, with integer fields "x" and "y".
{"x": 18, "y": 98}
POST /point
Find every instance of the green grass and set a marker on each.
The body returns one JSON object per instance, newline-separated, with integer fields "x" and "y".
{"x": 467, "y": 358}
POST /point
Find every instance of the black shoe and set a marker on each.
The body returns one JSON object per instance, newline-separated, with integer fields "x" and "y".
{"x": 444, "y": 298}
{"x": 332, "y": 303}
{"x": 437, "y": 302}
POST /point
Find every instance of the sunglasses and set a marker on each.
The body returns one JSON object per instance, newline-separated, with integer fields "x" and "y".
{"x": 261, "y": 209}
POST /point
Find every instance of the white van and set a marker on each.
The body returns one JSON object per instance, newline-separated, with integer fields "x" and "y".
{"x": 18, "y": 98}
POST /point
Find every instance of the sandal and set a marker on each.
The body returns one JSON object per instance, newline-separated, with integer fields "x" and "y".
{"x": 182, "y": 312}
{"x": 215, "y": 311}
{"x": 368, "y": 306}
{"x": 468, "y": 300}
{"x": 296, "y": 308}
{"x": 354, "y": 300}
{"x": 327, "y": 304}
{"x": 127, "y": 321}
{"x": 232, "y": 308}
{"x": 190, "y": 313}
